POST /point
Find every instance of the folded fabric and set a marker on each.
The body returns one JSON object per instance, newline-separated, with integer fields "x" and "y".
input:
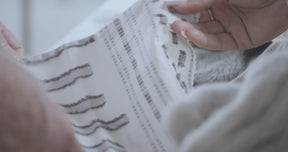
{"x": 248, "y": 114}
{"x": 115, "y": 84}
{"x": 223, "y": 66}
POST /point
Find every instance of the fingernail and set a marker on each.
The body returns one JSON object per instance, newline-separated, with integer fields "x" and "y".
{"x": 12, "y": 41}
{"x": 169, "y": 28}
{"x": 183, "y": 34}
{"x": 193, "y": 44}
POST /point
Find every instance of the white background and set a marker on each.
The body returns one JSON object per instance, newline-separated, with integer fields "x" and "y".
{"x": 50, "y": 19}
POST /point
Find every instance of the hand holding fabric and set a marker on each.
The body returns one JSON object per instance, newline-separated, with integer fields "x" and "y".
{"x": 232, "y": 24}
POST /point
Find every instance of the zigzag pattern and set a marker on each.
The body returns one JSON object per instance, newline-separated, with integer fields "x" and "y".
{"x": 57, "y": 52}
{"x": 106, "y": 145}
{"x": 68, "y": 78}
{"x": 85, "y": 104}
{"x": 112, "y": 125}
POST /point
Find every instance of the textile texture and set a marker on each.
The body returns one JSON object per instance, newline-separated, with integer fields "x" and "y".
{"x": 247, "y": 114}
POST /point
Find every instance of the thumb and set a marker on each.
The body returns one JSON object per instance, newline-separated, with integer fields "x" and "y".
{"x": 191, "y": 6}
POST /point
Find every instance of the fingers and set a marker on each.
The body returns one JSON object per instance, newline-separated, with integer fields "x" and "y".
{"x": 210, "y": 35}
{"x": 220, "y": 41}
{"x": 191, "y": 6}
{"x": 207, "y": 27}
{"x": 3, "y": 42}
{"x": 10, "y": 42}
{"x": 5, "y": 47}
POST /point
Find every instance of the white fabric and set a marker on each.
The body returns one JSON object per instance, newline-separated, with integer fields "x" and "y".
{"x": 211, "y": 66}
{"x": 99, "y": 83}
{"x": 115, "y": 84}
{"x": 248, "y": 114}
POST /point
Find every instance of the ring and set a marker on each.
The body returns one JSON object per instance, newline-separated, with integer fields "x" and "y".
{"x": 212, "y": 18}
{"x": 193, "y": 45}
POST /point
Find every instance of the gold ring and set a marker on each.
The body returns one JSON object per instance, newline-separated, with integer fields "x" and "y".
{"x": 193, "y": 45}
{"x": 212, "y": 18}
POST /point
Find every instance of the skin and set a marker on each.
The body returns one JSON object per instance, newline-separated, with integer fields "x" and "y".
{"x": 30, "y": 121}
{"x": 9, "y": 42}
{"x": 238, "y": 24}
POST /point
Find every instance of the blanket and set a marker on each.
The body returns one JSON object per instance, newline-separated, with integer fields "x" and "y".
{"x": 247, "y": 114}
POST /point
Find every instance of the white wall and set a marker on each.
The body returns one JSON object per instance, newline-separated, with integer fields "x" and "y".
{"x": 10, "y": 15}
{"x": 51, "y": 20}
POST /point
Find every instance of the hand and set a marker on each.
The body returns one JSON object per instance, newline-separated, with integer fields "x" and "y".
{"x": 9, "y": 42}
{"x": 232, "y": 24}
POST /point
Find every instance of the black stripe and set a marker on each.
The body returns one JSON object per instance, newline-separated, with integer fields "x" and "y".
{"x": 71, "y": 76}
{"x": 103, "y": 142}
{"x": 69, "y": 84}
{"x": 57, "y": 52}
{"x": 80, "y": 101}
{"x": 174, "y": 38}
{"x": 109, "y": 125}
{"x": 85, "y": 104}
{"x": 182, "y": 58}
{"x": 163, "y": 19}
{"x": 66, "y": 73}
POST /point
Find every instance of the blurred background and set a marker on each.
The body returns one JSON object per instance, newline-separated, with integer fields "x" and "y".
{"x": 39, "y": 24}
